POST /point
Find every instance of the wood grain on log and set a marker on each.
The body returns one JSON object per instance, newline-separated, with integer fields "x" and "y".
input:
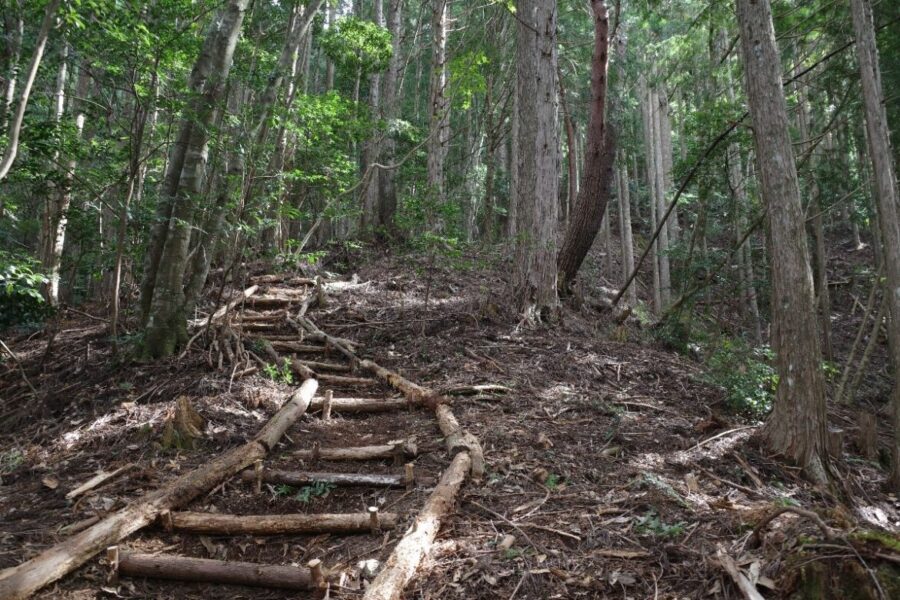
{"x": 403, "y": 562}
{"x": 214, "y": 571}
{"x": 309, "y": 478}
{"x": 218, "y": 524}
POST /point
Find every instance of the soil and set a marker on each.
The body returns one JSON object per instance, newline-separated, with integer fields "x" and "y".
{"x": 617, "y": 469}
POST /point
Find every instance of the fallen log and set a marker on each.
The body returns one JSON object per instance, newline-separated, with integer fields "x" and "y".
{"x": 98, "y": 480}
{"x": 53, "y": 563}
{"x": 218, "y": 524}
{"x": 310, "y": 477}
{"x": 458, "y": 439}
{"x": 401, "y": 449}
{"x": 362, "y": 405}
{"x": 403, "y": 562}
{"x": 325, "y": 366}
{"x": 225, "y": 309}
{"x": 340, "y": 344}
{"x": 302, "y": 371}
{"x": 412, "y": 391}
{"x": 206, "y": 570}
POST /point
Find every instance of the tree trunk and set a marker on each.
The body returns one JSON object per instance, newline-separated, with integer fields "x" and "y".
{"x": 439, "y": 115}
{"x": 665, "y": 275}
{"x": 797, "y": 426}
{"x": 372, "y": 149}
{"x": 599, "y": 157}
{"x": 15, "y": 28}
{"x": 885, "y": 192}
{"x": 650, "y": 175}
{"x": 387, "y": 194}
{"x": 167, "y": 323}
{"x": 625, "y": 233}
{"x": 15, "y": 127}
{"x": 537, "y": 172}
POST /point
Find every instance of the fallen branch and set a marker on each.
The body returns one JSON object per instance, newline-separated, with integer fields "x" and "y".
{"x": 225, "y": 309}
{"x": 827, "y": 531}
{"x": 55, "y": 562}
{"x": 97, "y": 480}
{"x": 399, "y": 449}
{"x": 744, "y": 585}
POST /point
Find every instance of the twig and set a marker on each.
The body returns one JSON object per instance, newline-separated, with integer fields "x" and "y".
{"x": 827, "y": 531}
{"x": 511, "y": 524}
{"x": 21, "y": 369}
{"x": 723, "y": 434}
{"x": 748, "y": 590}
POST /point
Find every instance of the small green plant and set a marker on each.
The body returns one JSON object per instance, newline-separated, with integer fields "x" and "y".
{"x": 552, "y": 481}
{"x": 746, "y": 374}
{"x": 512, "y": 553}
{"x": 651, "y": 524}
{"x": 319, "y": 489}
{"x": 281, "y": 374}
{"x": 283, "y": 489}
{"x": 10, "y": 460}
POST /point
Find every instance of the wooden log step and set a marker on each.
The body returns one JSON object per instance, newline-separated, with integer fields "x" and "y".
{"x": 344, "y": 380}
{"x": 296, "y": 347}
{"x": 206, "y": 570}
{"x": 399, "y": 449}
{"x": 273, "y": 300}
{"x": 298, "y": 478}
{"x": 362, "y": 405}
{"x": 297, "y": 523}
{"x": 287, "y": 280}
{"x": 248, "y": 315}
{"x": 325, "y": 366}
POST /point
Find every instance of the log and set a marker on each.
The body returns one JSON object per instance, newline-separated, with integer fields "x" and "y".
{"x": 341, "y": 345}
{"x": 458, "y": 439}
{"x": 310, "y": 477}
{"x": 349, "y": 381}
{"x": 97, "y": 480}
{"x": 403, "y": 562}
{"x": 206, "y": 570}
{"x": 299, "y": 369}
{"x": 362, "y": 405}
{"x": 403, "y": 448}
{"x": 218, "y": 524}
{"x": 53, "y": 563}
{"x": 412, "y": 391}
{"x": 297, "y": 347}
{"x": 835, "y": 441}
{"x": 225, "y": 309}
{"x": 325, "y": 366}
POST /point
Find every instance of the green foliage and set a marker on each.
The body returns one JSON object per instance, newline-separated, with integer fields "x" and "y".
{"x": 21, "y": 300}
{"x": 10, "y": 460}
{"x": 746, "y": 374}
{"x": 357, "y": 45}
{"x": 467, "y": 77}
{"x": 281, "y": 374}
{"x": 318, "y": 489}
{"x": 651, "y": 524}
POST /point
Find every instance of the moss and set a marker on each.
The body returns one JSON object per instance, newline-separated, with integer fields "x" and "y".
{"x": 891, "y": 542}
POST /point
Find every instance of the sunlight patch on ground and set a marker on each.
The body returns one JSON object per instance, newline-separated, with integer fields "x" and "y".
{"x": 883, "y": 516}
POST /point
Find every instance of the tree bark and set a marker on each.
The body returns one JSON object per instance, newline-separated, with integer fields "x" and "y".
{"x": 885, "y": 192}
{"x": 219, "y": 524}
{"x": 537, "y": 177}
{"x": 625, "y": 233}
{"x": 205, "y": 570}
{"x": 599, "y": 157}
{"x": 439, "y": 114}
{"x": 387, "y": 193}
{"x": 797, "y": 426}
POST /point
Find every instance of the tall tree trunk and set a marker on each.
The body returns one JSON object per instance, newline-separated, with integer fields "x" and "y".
{"x": 167, "y": 323}
{"x": 571, "y": 158}
{"x": 797, "y": 426}
{"x": 650, "y": 176}
{"x": 599, "y": 157}
{"x": 512, "y": 155}
{"x": 387, "y": 194}
{"x": 15, "y": 127}
{"x": 625, "y": 233}
{"x": 439, "y": 115}
{"x": 372, "y": 188}
{"x": 537, "y": 181}
{"x": 885, "y": 192}
{"x": 665, "y": 275}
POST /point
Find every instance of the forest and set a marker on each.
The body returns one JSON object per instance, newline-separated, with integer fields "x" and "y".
{"x": 433, "y": 299}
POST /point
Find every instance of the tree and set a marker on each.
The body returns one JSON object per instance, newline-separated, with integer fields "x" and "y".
{"x": 797, "y": 426}
{"x": 439, "y": 107}
{"x": 163, "y": 292}
{"x": 885, "y": 193}
{"x": 15, "y": 127}
{"x": 537, "y": 173}
{"x": 599, "y": 157}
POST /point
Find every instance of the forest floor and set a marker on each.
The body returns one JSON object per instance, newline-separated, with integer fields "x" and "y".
{"x": 617, "y": 469}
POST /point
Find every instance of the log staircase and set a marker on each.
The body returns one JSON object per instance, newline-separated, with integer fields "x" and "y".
{"x": 338, "y": 386}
